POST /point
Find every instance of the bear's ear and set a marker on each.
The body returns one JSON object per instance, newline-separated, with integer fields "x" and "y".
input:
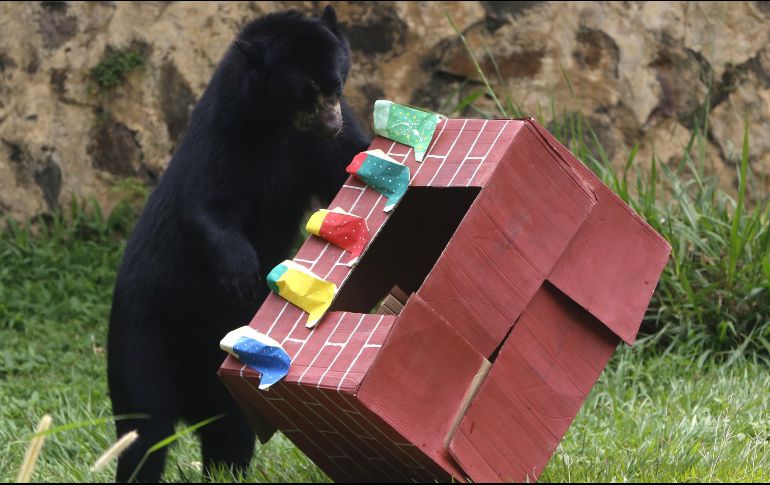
{"x": 250, "y": 50}
{"x": 329, "y": 17}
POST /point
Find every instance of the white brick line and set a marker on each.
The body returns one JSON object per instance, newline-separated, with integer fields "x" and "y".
{"x": 430, "y": 147}
{"x": 398, "y": 445}
{"x": 343, "y": 253}
{"x": 404, "y": 156}
{"x": 295, "y": 340}
{"x": 309, "y": 336}
{"x": 350, "y": 336}
{"x": 315, "y": 261}
{"x": 444, "y": 123}
{"x": 326, "y": 246}
{"x": 470, "y": 150}
{"x": 352, "y": 364}
{"x": 353, "y": 187}
{"x": 293, "y": 328}
{"x": 317, "y": 405}
{"x": 291, "y": 422}
{"x": 371, "y": 238}
{"x": 320, "y": 351}
{"x": 437, "y": 157}
{"x": 329, "y": 425}
{"x": 391, "y": 148}
{"x": 277, "y": 318}
{"x": 342, "y": 421}
{"x": 465, "y": 122}
{"x": 336, "y": 263}
{"x": 387, "y": 448}
{"x": 342, "y": 435}
{"x": 372, "y": 210}
{"x": 355, "y": 202}
{"x": 377, "y": 428}
{"x": 489, "y": 150}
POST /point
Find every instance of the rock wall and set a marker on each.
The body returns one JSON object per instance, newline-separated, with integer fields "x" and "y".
{"x": 75, "y": 120}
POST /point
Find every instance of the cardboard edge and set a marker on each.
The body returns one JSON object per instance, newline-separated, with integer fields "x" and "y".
{"x": 592, "y": 180}
{"x": 470, "y": 394}
{"x": 569, "y": 158}
{"x": 458, "y": 473}
{"x": 265, "y": 429}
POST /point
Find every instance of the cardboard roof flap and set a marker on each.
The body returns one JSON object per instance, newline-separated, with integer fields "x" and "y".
{"x": 614, "y": 236}
{"x": 610, "y": 265}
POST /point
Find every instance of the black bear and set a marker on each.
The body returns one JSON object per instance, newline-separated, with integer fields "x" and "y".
{"x": 270, "y": 133}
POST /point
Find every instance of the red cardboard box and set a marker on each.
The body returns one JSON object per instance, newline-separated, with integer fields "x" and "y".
{"x": 524, "y": 271}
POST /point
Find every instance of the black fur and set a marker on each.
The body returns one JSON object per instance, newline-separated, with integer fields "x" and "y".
{"x": 225, "y": 212}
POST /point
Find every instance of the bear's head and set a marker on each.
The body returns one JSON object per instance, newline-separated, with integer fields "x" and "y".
{"x": 295, "y": 69}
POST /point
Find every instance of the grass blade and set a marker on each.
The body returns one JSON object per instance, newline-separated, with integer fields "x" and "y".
{"x": 33, "y": 451}
{"x": 479, "y": 71}
{"x": 736, "y": 242}
{"x": 167, "y": 441}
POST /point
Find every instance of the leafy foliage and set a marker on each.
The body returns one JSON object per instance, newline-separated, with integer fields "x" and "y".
{"x": 112, "y": 69}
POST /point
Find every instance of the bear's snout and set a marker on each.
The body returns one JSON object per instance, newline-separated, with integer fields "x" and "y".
{"x": 331, "y": 117}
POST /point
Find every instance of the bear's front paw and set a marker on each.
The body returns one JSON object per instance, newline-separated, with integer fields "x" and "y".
{"x": 241, "y": 283}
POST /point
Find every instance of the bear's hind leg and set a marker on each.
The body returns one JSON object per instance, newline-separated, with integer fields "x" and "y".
{"x": 151, "y": 431}
{"x": 227, "y": 442}
{"x": 142, "y": 381}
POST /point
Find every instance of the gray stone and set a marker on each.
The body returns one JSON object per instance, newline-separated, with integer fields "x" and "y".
{"x": 176, "y": 101}
{"x": 640, "y": 72}
{"x": 56, "y": 26}
{"x": 113, "y": 147}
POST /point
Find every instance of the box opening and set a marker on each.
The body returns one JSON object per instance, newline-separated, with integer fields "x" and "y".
{"x": 405, "y": 249}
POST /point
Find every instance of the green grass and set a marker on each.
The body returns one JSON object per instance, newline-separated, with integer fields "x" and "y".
{"x": 675, "y": 415}
{"x": 55, "y": 293}
{"x": 652, "y": 416}
{"x": 670, "y": 418}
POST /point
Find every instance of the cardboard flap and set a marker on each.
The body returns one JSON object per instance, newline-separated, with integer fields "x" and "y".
{"x": 422, "y": 379}
{"x": 514, "y": 234}
{"x": 537, "y": 384}
{"x": 613, "y": 264}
